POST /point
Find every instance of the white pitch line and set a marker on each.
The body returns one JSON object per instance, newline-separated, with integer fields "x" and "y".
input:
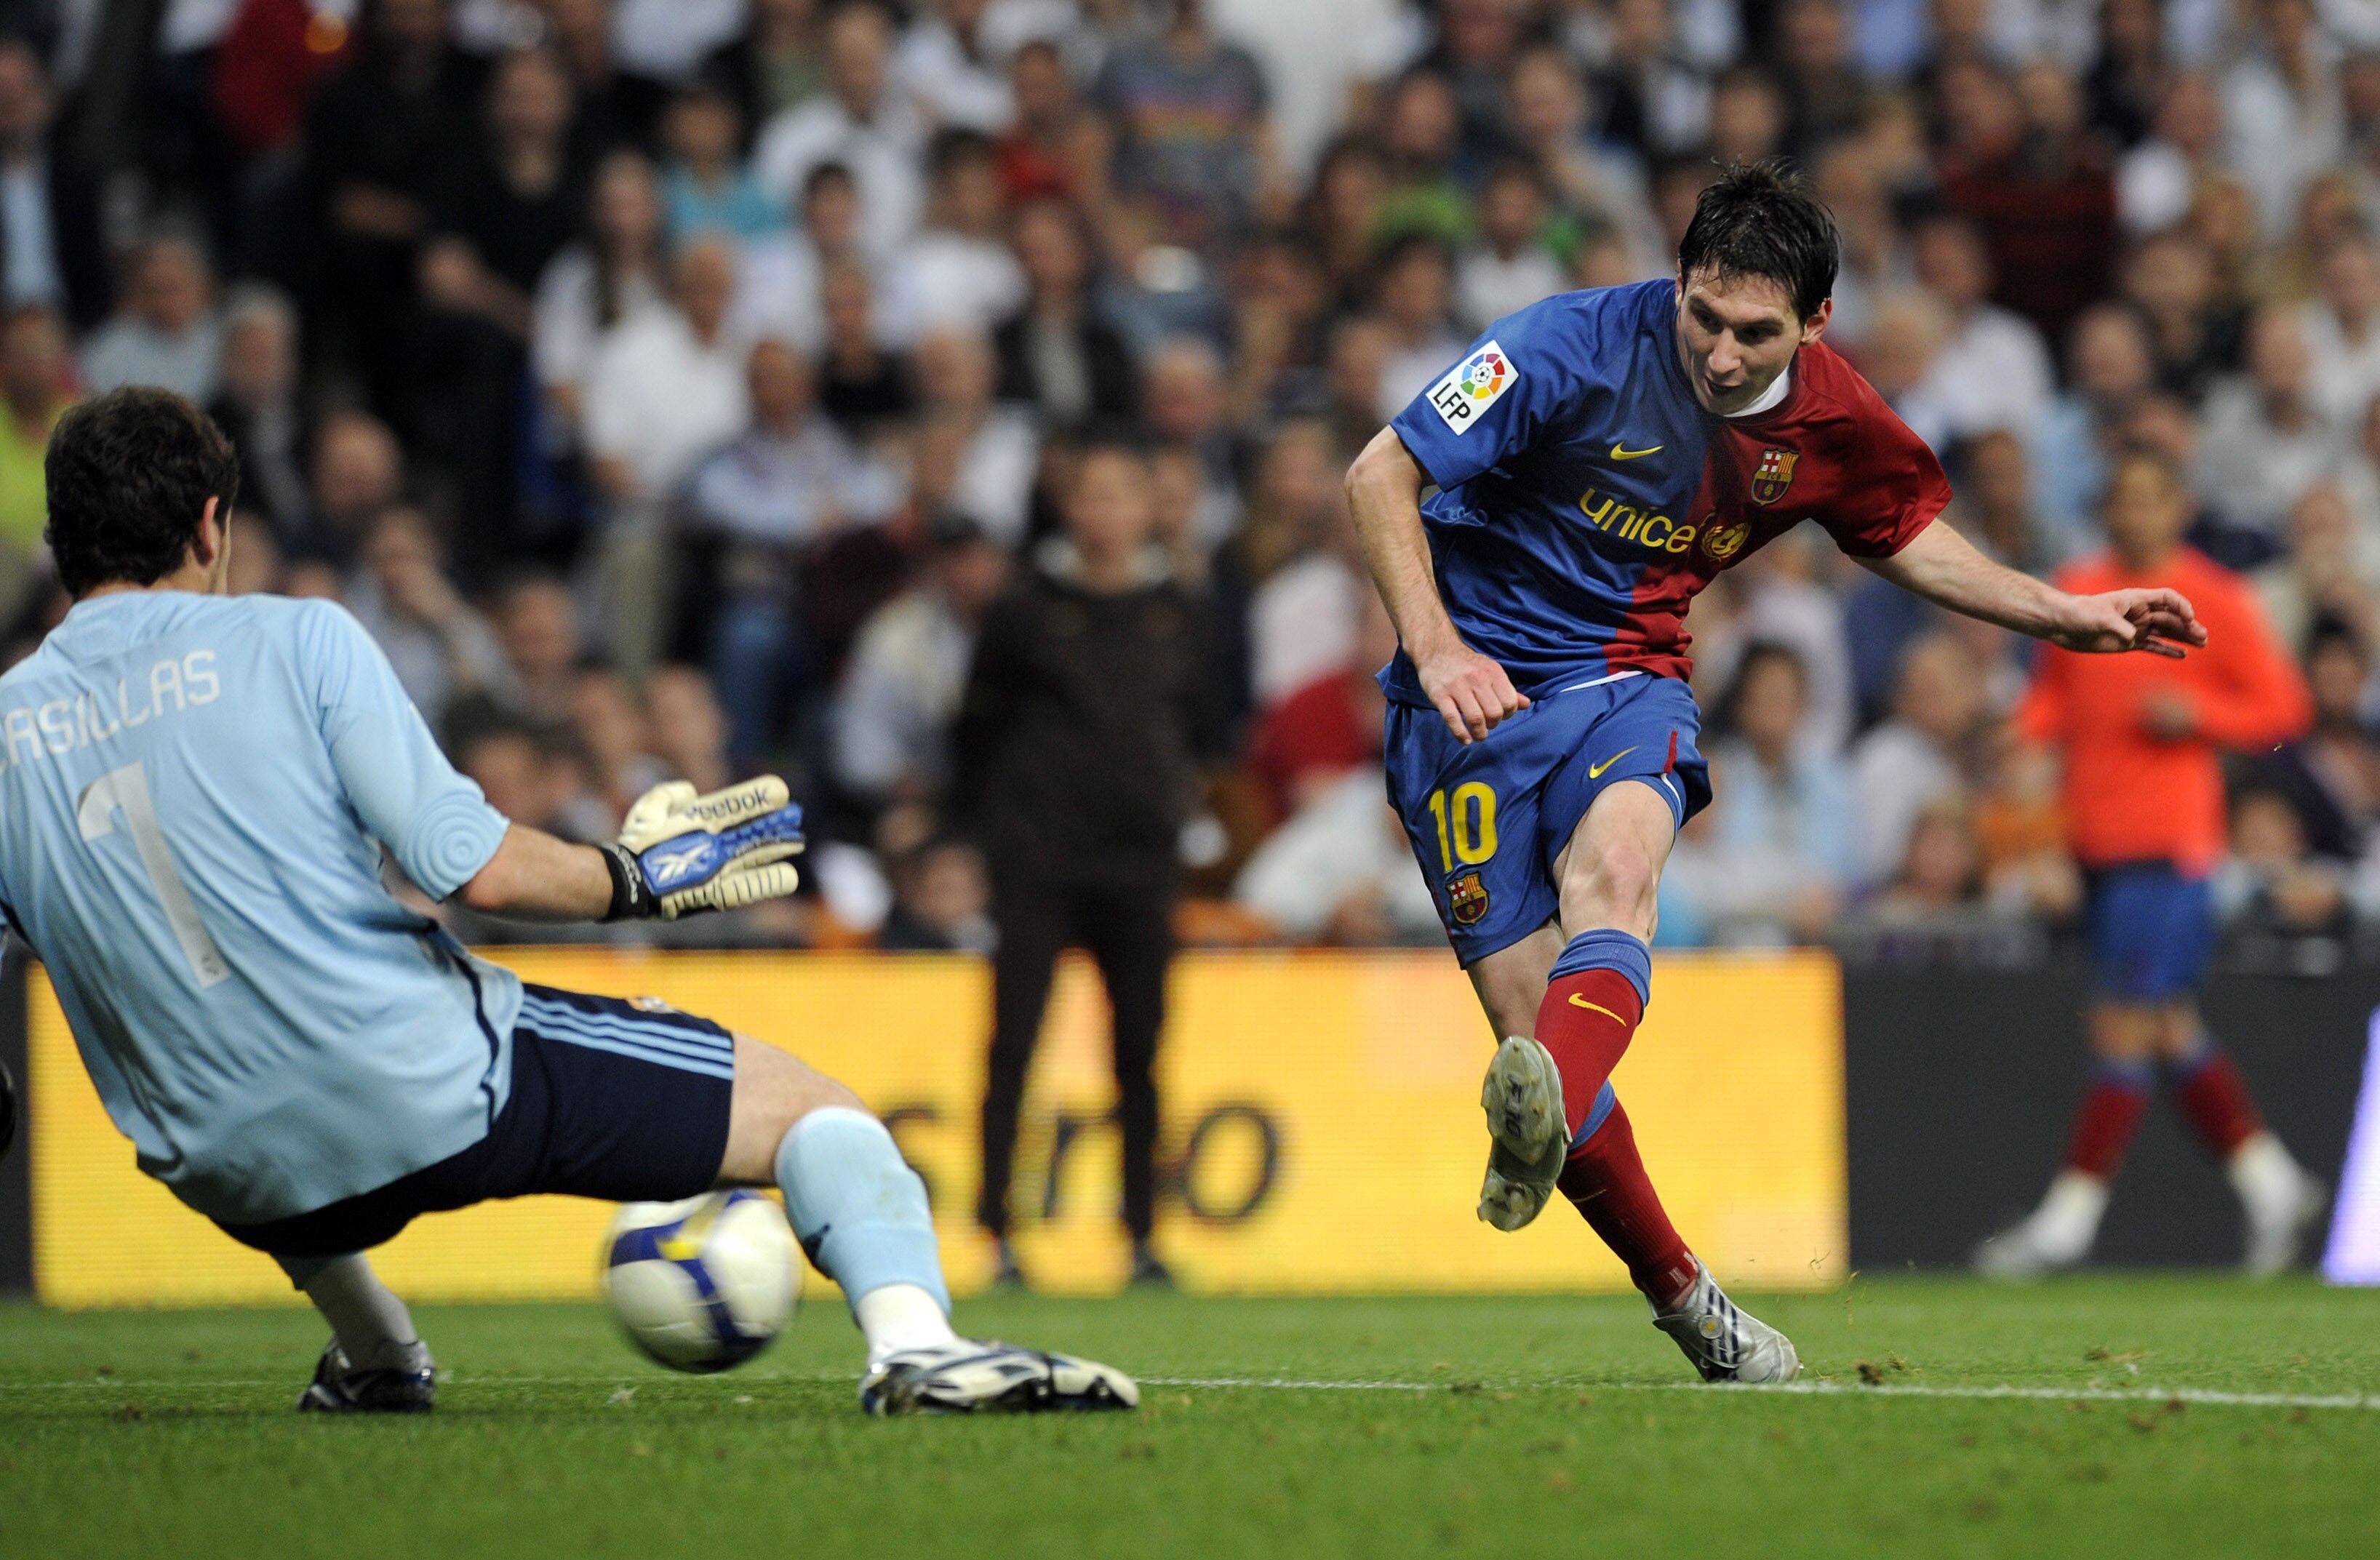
{"x": 2203, "y": 1396}
{"x": 2365, "y": 1402}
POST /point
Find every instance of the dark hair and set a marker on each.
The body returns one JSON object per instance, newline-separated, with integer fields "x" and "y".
{"x": 129, "y": 473}
{"x": 1759, "y": 219}
{"x": 1759, "y": 654}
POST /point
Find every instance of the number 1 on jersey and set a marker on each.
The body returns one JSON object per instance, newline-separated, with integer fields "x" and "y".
{"x": 127, "y": 789}
{"x": 1467, "y": 823}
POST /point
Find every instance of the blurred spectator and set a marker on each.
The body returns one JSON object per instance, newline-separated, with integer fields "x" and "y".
{"x": 2331, "y": 776}
{"x": 2329, "y": 573}
{"x": 667, "y": 384}
{"x": 1414, "y": 289}
{"x": 2266, "y": 441}
{"x": 1940, "y": 873}
{"x": 2110, "y": 370}
{"x": 997, "y": 446}
{"x": 50, "y": 246}
{"x": 1192, "y": 140}
{"x": 707, "y": 186}
{"x": 753, "y": 511}
{"x": 1055, "y": 350}
{"x": 442, "y": 650}
{"x": 613, "y": 272}
{"x": 2037, "y": 187}
{"x": 258, "y": 407}
{"x": 358, "y": 471}
{"x": 537, "y": 623}
{"x": 690, "y": 732}
{"x": 939, "y": 902}
{"x": 35, "y": 373}
{"x": 957, "y": 269}
{"x": 862, "y": 383}
{"x": 2342, "y": 331}
{"x": 1993, "y": 372}
{"x": 1302, "y": 617}
{"x": 1780, "y": 856}
{"x": 166, "y": 333}
{"x": 1919, "y": 756}
{"x": 1597, "y": 181}
{"x": 1084, "y": 716}
{"x": 1307, "y": 740}
{"x": 901, "y": 686}
{"x": 1339, "y": 869}
{"x": 1511, "y": 266}
{"x": 863, "y": 122}
{"x": 1053, "y": 146}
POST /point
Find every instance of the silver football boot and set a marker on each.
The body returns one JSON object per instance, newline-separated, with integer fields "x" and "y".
{"x": 1724, "y": 1343}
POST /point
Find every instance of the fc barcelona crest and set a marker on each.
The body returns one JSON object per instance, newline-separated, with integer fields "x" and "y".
{"x": 1773, "y": 474}
{"x": 1466, "y": 900}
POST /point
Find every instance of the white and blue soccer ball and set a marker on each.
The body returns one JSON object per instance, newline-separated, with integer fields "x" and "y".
{"x": 704, "y": 1284}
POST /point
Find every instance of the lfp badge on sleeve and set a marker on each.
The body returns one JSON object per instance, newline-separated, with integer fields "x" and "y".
{"x": 1472, "y": 386}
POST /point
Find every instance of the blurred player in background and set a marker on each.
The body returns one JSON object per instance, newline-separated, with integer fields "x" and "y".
{"x": 1599, "y": 457}
{"x": 1078, "y": 750}
{"x": 195, "y": 790}
{"x": 2141, "y": 741}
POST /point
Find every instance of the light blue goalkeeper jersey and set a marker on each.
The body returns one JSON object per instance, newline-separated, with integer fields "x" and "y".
{"x": 193, "y": 795}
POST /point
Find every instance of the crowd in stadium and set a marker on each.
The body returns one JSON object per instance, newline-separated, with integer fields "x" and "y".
{"x": 674, "y": 387}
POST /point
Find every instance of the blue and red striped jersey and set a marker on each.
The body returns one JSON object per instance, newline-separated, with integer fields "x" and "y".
{"x": 1584, "y": 495}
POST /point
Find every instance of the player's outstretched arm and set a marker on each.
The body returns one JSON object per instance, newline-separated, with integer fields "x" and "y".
{"x": 679, "y": 853}
{"x": 1470, "y": 691}
{"x": 1944, "y": 567}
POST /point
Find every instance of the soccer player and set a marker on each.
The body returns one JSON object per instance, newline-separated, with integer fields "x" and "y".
{"x": 194, "y": 794}
{"x": 2143, "y": 802}
{"x": 1598, "y": 458}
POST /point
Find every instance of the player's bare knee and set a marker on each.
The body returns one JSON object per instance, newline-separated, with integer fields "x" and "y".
{"x": 1616, "y": 887}
{"x": 773, "y": 1090}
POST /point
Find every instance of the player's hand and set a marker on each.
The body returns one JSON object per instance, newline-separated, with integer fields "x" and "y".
{"x": 1470, "y": 691}
{"x": 680, "y": 853}
{"x": 2159, "y": 620}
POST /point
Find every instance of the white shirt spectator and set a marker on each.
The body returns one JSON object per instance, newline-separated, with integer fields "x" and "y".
{"x": 884, "y": 154}
{"x": 1410, "y": 370}
{"x": 658, "y": 398}
{"x": 995, "y": 478}
{"x": 567, "y": 326}
{"x": 2251, "y": 469}
{"x": 1993, "y": 374}
{"x": 1301, "y": 624}
{"x": 1342, "y": 847}
{"x": 900, "y": 693}
{"x": 959, "y": 87}
{"x": 793, "y": 489}
{"x": 666, "y": 39}
{"x": 1897, "y": 772}
{"x": 1488, "y": 286}
{"x": 950, "y": 281}
{"x": 129, "y": 350}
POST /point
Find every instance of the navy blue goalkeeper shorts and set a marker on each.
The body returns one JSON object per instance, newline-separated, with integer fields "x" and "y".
{"x": 625, "y": 1101}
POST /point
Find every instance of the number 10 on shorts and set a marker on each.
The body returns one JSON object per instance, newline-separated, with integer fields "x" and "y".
{"x": 1466, "y": 823}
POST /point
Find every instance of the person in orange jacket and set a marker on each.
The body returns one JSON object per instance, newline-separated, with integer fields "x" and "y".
{"x": 2142, "y": 739}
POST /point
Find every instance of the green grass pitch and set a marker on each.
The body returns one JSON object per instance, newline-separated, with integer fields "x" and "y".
{"x": 2165, "y": 1416}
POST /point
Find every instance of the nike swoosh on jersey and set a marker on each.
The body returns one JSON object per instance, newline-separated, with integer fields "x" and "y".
{"x": 1595, "y": 771}
{"x": 1620, "y": 453}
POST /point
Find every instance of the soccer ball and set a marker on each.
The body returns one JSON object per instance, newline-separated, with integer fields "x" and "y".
{"x": 703, "y": 1284}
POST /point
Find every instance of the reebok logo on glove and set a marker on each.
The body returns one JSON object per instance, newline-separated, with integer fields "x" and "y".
{"x": 681, "y": 853}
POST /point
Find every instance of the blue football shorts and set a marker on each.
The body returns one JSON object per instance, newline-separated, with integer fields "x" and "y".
{"x": 1487, "y": 820}
{"x": 2151, "y": 929}
{"x": 623, "y": 1101}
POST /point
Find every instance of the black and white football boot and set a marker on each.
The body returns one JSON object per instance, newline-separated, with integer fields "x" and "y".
{"x": 1725, "y": 1344}
{"x": 966, "y": 1378}
{"x": 402, "y": 1380}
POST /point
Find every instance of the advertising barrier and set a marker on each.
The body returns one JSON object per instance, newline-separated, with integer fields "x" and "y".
{"x": 1322, "y": 1131}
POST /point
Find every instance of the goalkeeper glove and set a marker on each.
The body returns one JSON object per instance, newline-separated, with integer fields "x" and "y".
{"x": 680, "y": 853}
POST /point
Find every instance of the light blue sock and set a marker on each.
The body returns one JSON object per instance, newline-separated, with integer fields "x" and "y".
{"x": 857, "y": 1207}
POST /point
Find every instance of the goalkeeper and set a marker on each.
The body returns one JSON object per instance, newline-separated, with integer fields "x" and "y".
{"x": 194, "y": 792}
